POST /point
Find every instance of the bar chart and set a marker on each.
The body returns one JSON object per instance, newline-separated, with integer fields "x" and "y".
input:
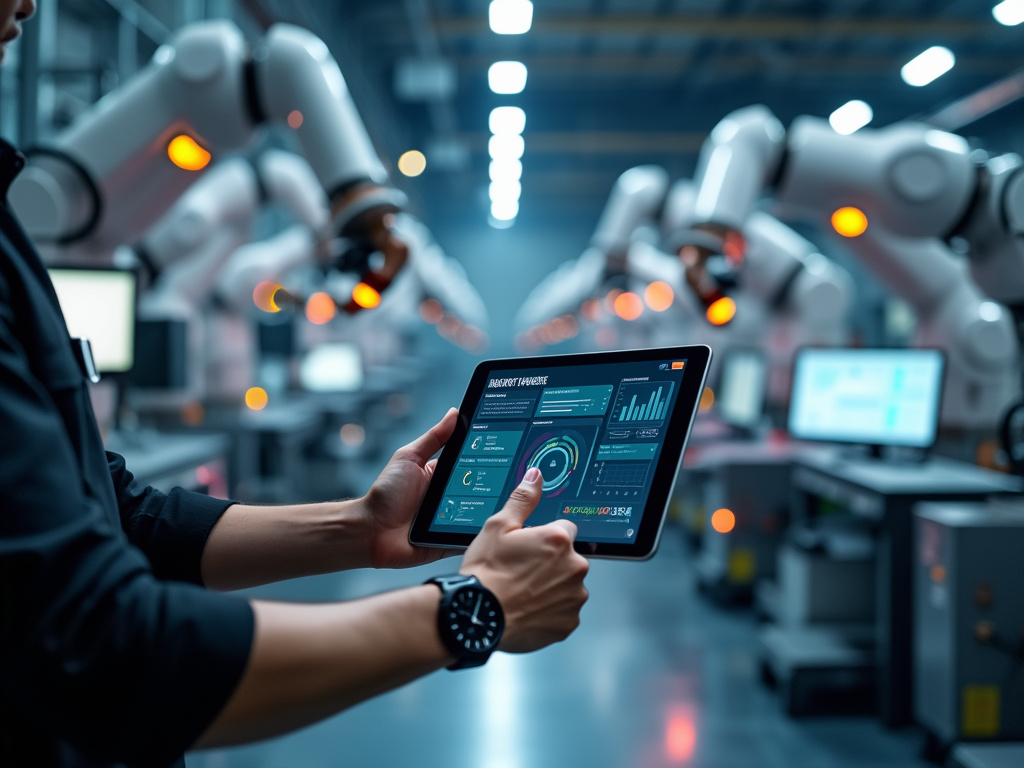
{"x": 643, "y": 403}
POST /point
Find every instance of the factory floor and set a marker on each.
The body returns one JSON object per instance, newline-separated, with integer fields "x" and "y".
{"x": 655, "y": 677}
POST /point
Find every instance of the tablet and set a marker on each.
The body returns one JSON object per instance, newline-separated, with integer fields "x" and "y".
{"x": 607, "y": 431}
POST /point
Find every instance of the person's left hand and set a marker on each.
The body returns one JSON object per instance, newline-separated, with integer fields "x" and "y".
{"x": 396, "y": 495}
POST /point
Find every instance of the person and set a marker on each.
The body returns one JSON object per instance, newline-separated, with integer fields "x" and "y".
{"x": 117, "y": 645}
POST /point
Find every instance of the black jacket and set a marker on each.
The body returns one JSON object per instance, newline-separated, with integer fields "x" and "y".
{"x": 111, "y": 651}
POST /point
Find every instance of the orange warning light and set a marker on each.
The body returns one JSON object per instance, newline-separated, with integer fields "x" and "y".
{"x": 680, "y": 738}
{"x": 186, "y": 153}
{"x": 628, "y": 306}
{"x": 263, "y": 296}
{"x": 723, "y": 520}
{"x": 295, "y": 119}
{"x": 849, "y": 221}
{"x": 193, "y": 414}
{"x": 659, "y": 296}
{"x": 320, "y": 308}
{"x": 707, "y": 399}
{"x": 365, "y": 296}
{"x": 256, "y": 398}
{"x": 721, "y": 311}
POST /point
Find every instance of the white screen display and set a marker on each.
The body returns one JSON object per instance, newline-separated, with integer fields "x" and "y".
{"x": 99, "y": 305}
{"x": 741, "y": 388}
{"x": 332, "y": 368}
{"x": 872, "y": 396}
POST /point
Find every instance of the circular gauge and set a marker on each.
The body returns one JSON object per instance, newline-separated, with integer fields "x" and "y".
{"x": 556, "y": 459}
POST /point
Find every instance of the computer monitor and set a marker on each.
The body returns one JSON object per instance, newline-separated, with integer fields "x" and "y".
{"x": 99, "y": 305}
{"x": 742, "y": 385}
{"x": 332, "y": 368}
{"x": 877, "y": 397}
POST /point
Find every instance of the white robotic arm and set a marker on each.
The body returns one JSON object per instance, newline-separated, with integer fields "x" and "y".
{"x": 912, "y": 185}
{"x": 108, "y": 178}
{"x": 635, "y": 198}
{"x": 265, "y": 260}
{"x": 780, "y": 268}
{"x": 189, "y": 246}
{"x": 441, "y": 278}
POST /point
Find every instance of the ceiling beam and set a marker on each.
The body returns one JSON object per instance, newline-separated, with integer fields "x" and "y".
{"x": 747, "y": 27}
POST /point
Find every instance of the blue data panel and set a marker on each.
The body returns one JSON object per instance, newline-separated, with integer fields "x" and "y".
{"x": 642, "y": 403}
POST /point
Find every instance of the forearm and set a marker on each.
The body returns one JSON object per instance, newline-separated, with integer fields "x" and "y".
{"x": 311, "y": 661}
{"x": 250, "y": 546}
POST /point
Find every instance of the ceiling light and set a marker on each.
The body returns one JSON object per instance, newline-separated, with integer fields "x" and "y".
{"x": 507, "y": 121}
{"x": 510, "y": 147}
{"x": 925, "y": 67}
{"x": 507, "y": 77}
{"x": 505, "y": 190}
{"x": 1009, "y": 13}
{"x": 412, "y": 163}
{"x": 510, "y": 17}
{"x": 504, "y": 210}
{"x": 850, "y": 117}
{"x": 505, "y": 169}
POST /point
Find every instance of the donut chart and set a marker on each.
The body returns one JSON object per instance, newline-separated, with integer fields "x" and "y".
{"x": 557, "y": 458}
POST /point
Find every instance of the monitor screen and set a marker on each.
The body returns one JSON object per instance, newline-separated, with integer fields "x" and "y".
{"x": 742, "y": 382}
{"x": 332, "y": 368}
{"x": 872, "y": 396}
{"x": 99, "y": 305}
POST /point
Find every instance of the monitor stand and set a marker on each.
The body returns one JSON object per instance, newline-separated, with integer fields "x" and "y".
{"x": 891, "y": 454}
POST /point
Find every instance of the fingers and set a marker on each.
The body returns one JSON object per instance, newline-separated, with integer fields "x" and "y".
{"x": 431, "y": 466}
{"x": 425, "y": 446}
{"x": 523, "y": 500}
{"x": 569, "y": 526}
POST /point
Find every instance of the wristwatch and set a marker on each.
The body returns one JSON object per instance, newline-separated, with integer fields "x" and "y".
{"x": 470, "y": 619}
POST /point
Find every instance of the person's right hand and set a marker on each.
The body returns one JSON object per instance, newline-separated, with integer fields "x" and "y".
{"x": 534, "y": 572}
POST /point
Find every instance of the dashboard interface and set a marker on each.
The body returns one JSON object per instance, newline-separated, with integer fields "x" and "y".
{"x": 595, "y": 432}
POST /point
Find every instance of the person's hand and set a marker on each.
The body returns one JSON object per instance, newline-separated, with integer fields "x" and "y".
{"x": 395, "y": 496}
{"x": 534, "y": 572}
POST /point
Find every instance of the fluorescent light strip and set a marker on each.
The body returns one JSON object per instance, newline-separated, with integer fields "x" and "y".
{"x": 510, "y": 17}
{"x": 1009, "y": 13}
{"x": 851, "y": 117}
{"x": 928, "y": 66}
{"x": 507, "y": 121}
{"x": 507, "y": 77}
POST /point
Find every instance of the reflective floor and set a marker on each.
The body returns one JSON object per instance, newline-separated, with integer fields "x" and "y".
{"x": 654, "y": 677}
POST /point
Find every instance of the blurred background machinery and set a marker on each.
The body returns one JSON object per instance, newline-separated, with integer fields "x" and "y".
{"x": 292, "y": 229}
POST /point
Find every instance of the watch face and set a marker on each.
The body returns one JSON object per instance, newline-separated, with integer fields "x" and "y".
{"x": 474, "y": 619}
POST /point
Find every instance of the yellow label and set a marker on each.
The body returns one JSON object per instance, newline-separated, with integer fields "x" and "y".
{"x": 981, "y": 710}
{"x": 742, "y": 566}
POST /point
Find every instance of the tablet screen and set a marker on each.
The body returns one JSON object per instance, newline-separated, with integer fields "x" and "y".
{"x": 597, "y": 431}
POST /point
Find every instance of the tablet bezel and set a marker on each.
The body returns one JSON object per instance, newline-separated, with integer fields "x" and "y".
{"x": 645, "y": 544}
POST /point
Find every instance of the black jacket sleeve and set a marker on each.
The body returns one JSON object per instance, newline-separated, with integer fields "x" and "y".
{"x": 171, "y": 529}
{"x": 95, "y": 650}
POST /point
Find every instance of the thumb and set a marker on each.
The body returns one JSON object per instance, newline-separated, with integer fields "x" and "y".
{"x": 425, "y": 446}
{"x": 523, "y": 499}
